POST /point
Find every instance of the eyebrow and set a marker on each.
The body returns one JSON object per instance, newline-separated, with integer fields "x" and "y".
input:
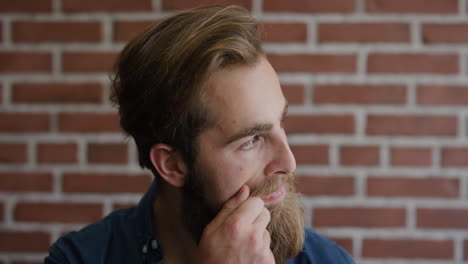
{"x": 258, "y": 128}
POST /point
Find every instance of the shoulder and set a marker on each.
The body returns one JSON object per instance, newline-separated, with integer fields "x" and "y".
{"x": 319, "y": 249}
{"x": 92, "y": 243}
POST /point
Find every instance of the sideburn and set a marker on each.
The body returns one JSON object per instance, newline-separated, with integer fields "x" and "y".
{"x": 197, "y": 213}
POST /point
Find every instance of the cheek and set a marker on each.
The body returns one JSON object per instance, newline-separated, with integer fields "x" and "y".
{"x": 225, "y": 183}
{"x": 226, "y": 173}
{"x": 228, "y": 184}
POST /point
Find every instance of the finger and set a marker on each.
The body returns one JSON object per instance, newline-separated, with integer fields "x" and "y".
{"x": 232, "y": 204}
{"x": 266, "y": 238}
{"x": 261, "y": 222}
{"x": 248, "y": 211}
{"x": 237, "y": 200}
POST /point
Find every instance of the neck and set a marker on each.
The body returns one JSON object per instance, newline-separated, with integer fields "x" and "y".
{"x": 177, "y": 242}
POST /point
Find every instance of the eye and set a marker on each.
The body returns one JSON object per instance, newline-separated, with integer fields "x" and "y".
{"x": 251, "y": 143}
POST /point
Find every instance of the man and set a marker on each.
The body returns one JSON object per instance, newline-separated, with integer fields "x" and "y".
{"x": 205, "y": 109}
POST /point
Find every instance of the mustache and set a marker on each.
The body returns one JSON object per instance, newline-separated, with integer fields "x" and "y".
{"x": 271, "y": 186}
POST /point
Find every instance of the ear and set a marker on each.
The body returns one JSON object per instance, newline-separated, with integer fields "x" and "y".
{"x": 169, "y": 164}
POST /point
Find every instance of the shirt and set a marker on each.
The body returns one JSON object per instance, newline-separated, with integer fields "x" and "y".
{"x": 128, "y": 236}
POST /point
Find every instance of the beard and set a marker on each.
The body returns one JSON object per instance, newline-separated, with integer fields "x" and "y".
{"x": 286, "y": 226}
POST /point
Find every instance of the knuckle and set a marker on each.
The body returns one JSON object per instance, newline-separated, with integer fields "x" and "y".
{"x": 255, "y": 240}
{"x": 207, "y": 231}
{"x": 265, "y": 256}
{"x": 230, "y": 204}
{"x": 258, "y": 202}
{"x": 233, "y": 227}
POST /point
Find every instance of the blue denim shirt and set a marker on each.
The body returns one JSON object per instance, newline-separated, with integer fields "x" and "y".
{"x": 128, "y": 236}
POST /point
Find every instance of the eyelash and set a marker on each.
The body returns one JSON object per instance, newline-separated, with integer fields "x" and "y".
{"x": 251, "y": 143}
{"x": 283, "y": 120}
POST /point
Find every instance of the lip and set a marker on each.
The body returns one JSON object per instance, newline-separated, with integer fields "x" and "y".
{"x": 276, "y": 196}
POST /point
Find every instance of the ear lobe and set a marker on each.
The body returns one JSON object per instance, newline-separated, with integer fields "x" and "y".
{"x": 169, "y": 164}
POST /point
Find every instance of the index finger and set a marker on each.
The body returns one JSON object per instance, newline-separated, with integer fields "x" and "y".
{"x": 231, "y": 205}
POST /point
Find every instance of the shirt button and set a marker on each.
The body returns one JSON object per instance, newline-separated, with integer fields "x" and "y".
{"x": 154, "y": 244}
{"x": 145, "y": 249}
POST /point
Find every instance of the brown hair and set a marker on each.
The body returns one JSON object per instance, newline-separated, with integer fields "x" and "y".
{"x": 159, "y": 78}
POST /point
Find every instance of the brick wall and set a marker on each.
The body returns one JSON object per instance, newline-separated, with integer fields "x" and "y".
{"x": 379, "y": 119}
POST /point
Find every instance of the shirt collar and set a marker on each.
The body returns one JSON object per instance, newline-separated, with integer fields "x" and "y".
{"x": 145, "y": 220}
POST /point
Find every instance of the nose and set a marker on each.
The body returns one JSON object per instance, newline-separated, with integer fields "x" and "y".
{"x": 282, "y": 161}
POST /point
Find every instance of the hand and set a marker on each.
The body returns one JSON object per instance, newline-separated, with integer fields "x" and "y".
{"x": 238, "y": 233}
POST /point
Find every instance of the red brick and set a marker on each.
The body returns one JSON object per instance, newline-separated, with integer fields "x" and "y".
{"x": 89, "y": 122}
{"x": 465, "y": 249}
{"x": 13, "y": 153}
{"x": 56, "y": 31}
{"x": 359, "y": 155}
{"x": 285, "y": 32}
{"x": 413, "y": 6}
{"x": 106, "y": 6}
{"x": 17, "y": 241}
{"x": 455, "y": 156}
{"x": 2, "y": 212}
{"x": 359, "y": 94}
{"x": 57, "y": 93}
{"x": 346, "y": 243}
{"x": 408, "y": 249}
{"x": 413, "y": 63}
{"x": 294, "y": 93}
{"x": 309, "y": 6}
{"x": 445, "y": 33}
{"x": 57, "y": 212}
{"x": 119, "y": 206}
{"x": 57, "y": 153}
{"x": 407, "y": 156}
{"x": 320, "y": 124}
{"x": 26, "y": 182}
{"x": 325, "y": 185}
{"x": 466, "y": 127}
{"x": 411, "y": 125}
{"x": 107, "y": 153}
{"x": 24, "y": 122}
{"x": 405, "y": 187}
{"x": 313, "y": 63}
{"x": 442, "y": 95}
{"x": 364, "y": 33}
{"x": 105, "y": 183}
{"x": 26, "y": 6}
{"x": 127, "y": 30}
{"x": 442, "y": 218}
{"x": 88, "y": 61}
{"x": 359, "y": 217}
{"x": 21, "y": 62}
{"x": 311, "y": 155}
{"x": 185, "y": 4}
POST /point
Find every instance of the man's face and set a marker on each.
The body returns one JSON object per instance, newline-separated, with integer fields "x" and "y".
{"x": 246, "y": 146}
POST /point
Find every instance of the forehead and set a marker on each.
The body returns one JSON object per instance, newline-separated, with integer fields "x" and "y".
{"x": 244, "y": 95}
